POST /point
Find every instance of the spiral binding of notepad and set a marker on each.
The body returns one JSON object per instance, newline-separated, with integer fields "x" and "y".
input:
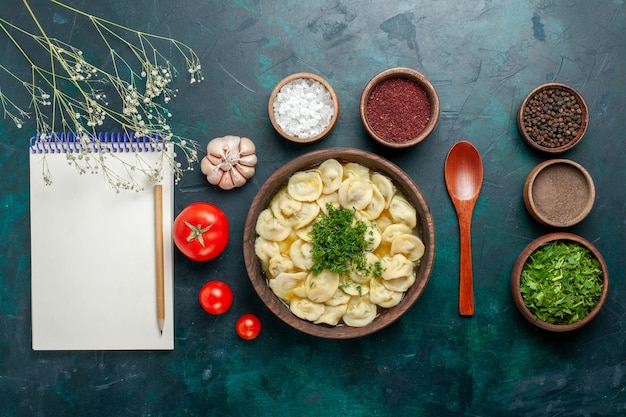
{"x": 104, "y": 141}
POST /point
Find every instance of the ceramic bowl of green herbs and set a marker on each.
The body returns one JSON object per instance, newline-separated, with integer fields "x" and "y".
{"x": 560, "y": 282}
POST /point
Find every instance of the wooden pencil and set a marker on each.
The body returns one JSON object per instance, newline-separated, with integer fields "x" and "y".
{"x": 160, "y": 279}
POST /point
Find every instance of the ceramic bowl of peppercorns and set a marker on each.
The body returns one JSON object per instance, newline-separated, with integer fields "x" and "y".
{"x": 399, "y": 107}
{"x": 553, "y": 118}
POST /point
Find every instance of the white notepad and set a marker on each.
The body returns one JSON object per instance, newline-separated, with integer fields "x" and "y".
{"x": 93, "y": 257}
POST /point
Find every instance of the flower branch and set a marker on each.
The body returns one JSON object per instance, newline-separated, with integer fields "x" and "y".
{"x": 69, "y": 94}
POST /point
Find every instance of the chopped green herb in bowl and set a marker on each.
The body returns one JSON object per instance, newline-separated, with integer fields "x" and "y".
{"x": 559, "y": 281}
{"x": 340, "y": 242}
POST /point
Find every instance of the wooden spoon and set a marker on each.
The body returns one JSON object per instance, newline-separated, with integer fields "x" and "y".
{"x": 464, "y": 177}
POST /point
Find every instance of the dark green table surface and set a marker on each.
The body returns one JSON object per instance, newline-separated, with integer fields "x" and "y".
{"x": 484, "y": 57}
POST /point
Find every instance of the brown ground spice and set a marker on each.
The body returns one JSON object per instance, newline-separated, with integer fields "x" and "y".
{"x": 398, "y": 109}
{"x": 560, "y": 193}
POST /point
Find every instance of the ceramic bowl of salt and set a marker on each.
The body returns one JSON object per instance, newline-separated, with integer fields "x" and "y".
{"x": 303, "y": 107}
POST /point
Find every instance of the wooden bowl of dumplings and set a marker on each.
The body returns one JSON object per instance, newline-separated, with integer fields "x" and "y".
{"x": 280, "y": 248}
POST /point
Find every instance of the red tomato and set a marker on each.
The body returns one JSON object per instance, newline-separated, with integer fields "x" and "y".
{"x": 200, "y": 231}
{"x": 216, "y": 297}
{"x": 248, "y": 326}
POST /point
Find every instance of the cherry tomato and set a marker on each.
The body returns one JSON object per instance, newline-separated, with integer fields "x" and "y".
{"x": 248, "y": 326}
{"x": 216, "y": 297}
{"x": 200, "y": 231}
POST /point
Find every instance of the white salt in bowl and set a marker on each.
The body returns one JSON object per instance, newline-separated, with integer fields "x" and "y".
{"x": 303, "y": 107}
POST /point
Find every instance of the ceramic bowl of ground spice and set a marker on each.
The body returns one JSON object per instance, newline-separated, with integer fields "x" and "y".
{"x": 399, "y": 107}
{"x": 303, "y": 107}
{"x": 559, "y": 282}
{"x": 559, "y": 193}
{"x": 553, "y": 118}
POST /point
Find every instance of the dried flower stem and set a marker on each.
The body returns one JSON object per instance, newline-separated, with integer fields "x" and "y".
{"x": 142, "y": 93}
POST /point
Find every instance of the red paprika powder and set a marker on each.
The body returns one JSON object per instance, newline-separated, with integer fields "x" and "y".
{"x": 398, "y": 109}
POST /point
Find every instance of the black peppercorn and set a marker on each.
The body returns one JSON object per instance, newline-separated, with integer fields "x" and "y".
{"x": 552, "y": 117}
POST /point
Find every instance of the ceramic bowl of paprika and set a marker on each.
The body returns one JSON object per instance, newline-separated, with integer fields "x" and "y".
{"x": 553, "y": 118}
{"x": 303, "y": 107}
{"x": 266, "y": 201}
{"x": 559, "y": 193}
{"x": 399, "y": 107}
{"x": 534, "y": 291}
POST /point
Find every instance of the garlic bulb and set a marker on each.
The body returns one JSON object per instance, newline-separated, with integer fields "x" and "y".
{"x": 229, "y": 162}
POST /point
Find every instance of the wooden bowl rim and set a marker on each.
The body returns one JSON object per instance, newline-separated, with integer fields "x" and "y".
{"x": 287, "y": 80}
{"x": 521, "y": 261}
{"x": 312, "y": 159}
{"x": 530, "y": 202}
{"x": 423, "y": 81}
{"x": 581, "y": 132}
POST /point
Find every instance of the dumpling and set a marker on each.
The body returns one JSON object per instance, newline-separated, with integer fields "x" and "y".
{"x": 355, "y": 170}
{"x": 361, "y": 312}
{"x": 285, "y": 208}
{"x": 306, "y": 309}
{"x": 375, "y": 207}
{"x": 278, "y": 264}
{"x": 364, "y": 277}
{"x": 399, "y": 284}
{"x": 355, "y": 193}
{"x": 332, "y": 314}
{"x": 385, "y": 186}
{"x": 265, "y": 249}
{"x": 304, "y": 233}
{"x": 408, "y": 245}
{"x": 383, "y": 221}
{"x": 393, "y": 230}
{"x": 305, "y": 185}
{"x": 397, "y": 266}
{"x": 354, "y": 288}
{"x": 331, "y": 172}
{"x": 291, "y": 212}
{"x": 307, "y": 215}
{"x": 339, "y": 298}
{"x": 332, "y": 199}
{"x": 402, "y": 211}
{"x": 383, "y": 296}
{"x": 301, "y": 254}
{"x": 269, "y": 228}
{"x": 321, "y": 287}
{"x": 285, "y": 283}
